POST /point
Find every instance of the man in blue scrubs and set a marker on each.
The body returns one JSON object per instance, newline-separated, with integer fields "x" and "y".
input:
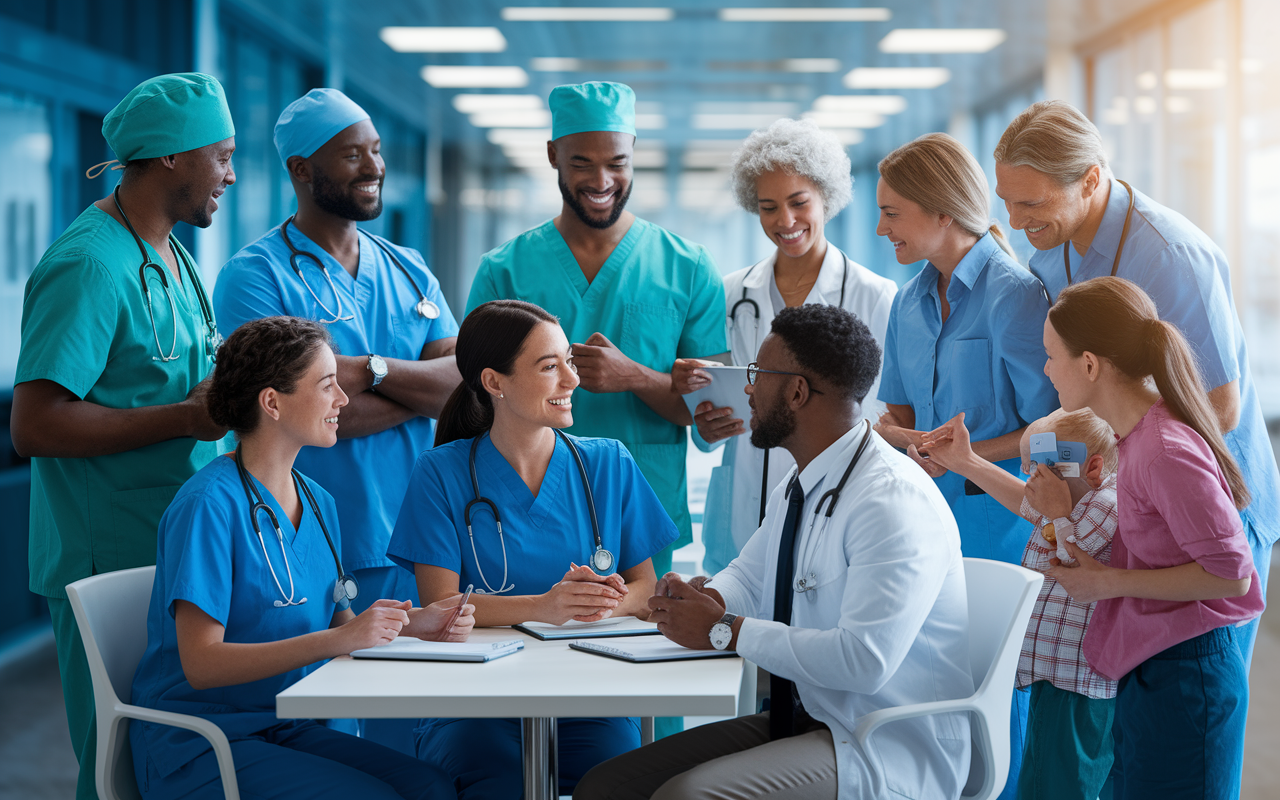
{"x": 384, "y": 310}
{"x": 1054, "y": 179}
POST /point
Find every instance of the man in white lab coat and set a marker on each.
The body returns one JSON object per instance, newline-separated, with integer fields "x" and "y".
{"x": 872, "y": 612}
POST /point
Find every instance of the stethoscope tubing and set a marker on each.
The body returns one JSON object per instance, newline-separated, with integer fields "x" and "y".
{"x": 831, "y": 497}
{"x": 1124, "y": 236}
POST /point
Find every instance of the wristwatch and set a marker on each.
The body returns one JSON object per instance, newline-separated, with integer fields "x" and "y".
{"x": 722, "y": 632}
{"x": 378, "y": 366}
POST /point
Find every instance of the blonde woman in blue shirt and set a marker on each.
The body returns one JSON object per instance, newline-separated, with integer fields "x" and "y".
{"x": 964, "y": 335}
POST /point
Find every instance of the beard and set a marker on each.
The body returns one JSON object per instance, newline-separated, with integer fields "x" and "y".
{"x": 196, "y": 211}
{"x": 341, "y": 201}
{"x": 773, "y": 427}
{"x": 619, "y": 204}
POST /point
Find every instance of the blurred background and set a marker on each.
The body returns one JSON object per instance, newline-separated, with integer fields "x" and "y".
{"x": 1185, "y": 92}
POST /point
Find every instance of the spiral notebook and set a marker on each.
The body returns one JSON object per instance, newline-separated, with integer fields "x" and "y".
{"x": 648, "y": 649}
{"x": 407, "y": 649}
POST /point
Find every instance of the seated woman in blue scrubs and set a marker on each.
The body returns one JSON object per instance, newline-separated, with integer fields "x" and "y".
{"x": 246, "y": 602}
{"x": 499, "y": 440}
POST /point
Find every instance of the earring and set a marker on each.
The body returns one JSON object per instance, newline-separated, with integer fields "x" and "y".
{"x": 502, "y": 397}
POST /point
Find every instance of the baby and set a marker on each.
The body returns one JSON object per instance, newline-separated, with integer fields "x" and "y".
{"x": 1068, "y": 744}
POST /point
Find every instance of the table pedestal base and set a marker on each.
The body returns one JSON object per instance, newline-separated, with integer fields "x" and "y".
{"x": 541, "y": 767}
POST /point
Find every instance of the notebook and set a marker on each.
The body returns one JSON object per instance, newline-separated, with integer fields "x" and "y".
{"x": 409, "y": 649}
{"x": 726, "y": 390}
{"x": 621, "y": 626}
{"x": 657, "y": 648}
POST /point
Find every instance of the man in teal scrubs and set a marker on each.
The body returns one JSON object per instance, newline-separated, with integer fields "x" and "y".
{"x": 118, "y": 336}
{"x": 631, "y": 296}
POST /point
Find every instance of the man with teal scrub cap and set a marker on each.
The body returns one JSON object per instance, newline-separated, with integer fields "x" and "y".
{"x": 631, "y": 296}
{"x": 388, "y": 317}
{"x": 118, "y": 337}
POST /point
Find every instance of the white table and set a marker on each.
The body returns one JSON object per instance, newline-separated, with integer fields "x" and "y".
{"x": 544, "y": 681}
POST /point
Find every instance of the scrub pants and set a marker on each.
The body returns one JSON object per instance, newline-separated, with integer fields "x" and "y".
{"x": 299, "y": 759}
{"x": 1069, "y": 749}
{"x": 1180, "y": 717}
{"x": 77, "y": 694}
{"x": 483, "y": 756}
{"x": 664, "y": 726}
{"x": 391, "y": 583}
{"x": 1248, "y": 633}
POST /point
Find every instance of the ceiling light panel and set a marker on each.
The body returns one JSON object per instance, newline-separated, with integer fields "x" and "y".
{"x": 596, "y": 65}
{"x": 584, "y": 14}
{"x": 528, "y": 118}
{"x": 811, "y": 64}
{"x": 443, "y": 77}
{"x": 846, "y": 119}
{"x": 733, "y": 122}
{"x": 942, "y": 40}
{"x": 518, "y": 137}
{"x": 1194, "y": 78}
{"x": 480, "y": 103}
{"x": 444, "y": 40}
{"x": 717, "y": 107}
{"x": 805, "y": 14}
{"x": 651, "y": 122}
{"x": 878, "y": 103}
{"x": 896, "y": 77}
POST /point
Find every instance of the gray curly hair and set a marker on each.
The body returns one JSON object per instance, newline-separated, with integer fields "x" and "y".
{"x": 798, "y": 147}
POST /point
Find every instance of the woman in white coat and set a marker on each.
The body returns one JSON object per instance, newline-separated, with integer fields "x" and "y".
{"x": 796, "y": 178}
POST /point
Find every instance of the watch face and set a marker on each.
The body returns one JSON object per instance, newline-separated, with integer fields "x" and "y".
{"x": 721, "y": 635}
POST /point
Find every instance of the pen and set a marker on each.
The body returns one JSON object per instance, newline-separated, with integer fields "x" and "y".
{"x": 458, "y": 611}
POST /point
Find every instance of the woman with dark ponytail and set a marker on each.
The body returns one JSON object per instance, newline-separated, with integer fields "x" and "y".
{"x": 1181, "y": 577}
{"x": 504, "y": 502}
{"x": 247, "y": 597}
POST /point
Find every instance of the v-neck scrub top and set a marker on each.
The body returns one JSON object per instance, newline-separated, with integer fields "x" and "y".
{"x": 210, "y": 557}
{"x": 542, "y": 534}
{"x": 85, "y": 326}
{"x": 658, "y": 297}
{"x": 367, "y": 474}
{"x": 987, "y": 360}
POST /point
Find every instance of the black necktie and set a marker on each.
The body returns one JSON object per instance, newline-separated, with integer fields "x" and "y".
{"x": 782, "y": 711}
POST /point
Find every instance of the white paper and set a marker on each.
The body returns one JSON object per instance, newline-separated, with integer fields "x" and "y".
{"x": 650, "y": 647}
{"x": 409, "y": 647}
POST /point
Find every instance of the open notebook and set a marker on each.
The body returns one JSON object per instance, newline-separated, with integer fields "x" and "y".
{"x": 621, "y": 626}
{"x": 649, "y": 648}
{"x": 408, "y": 649}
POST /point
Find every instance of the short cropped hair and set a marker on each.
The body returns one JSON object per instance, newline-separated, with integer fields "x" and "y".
{"x": 832, "y": 345}
{"x": 797, "y": 147}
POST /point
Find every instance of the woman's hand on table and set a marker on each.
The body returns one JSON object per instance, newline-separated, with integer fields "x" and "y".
{"x": 436, "y": 622}
{"x": 380, "y": 624}
{"x": 584, "y": 596}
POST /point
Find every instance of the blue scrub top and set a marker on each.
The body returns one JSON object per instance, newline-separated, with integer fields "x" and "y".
{"x": 542, "y": 534}
{"x": 367, "y": 475}
{"x": 209, "y": 555}
{"x": 986, "y": 360}
{"x": 1188, "y": 277}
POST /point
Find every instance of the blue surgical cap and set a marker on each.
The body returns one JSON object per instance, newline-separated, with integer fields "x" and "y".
{"x": 313, "y": 119}
{"x": 594, "y": 106}
{"x": 168, "y": 114}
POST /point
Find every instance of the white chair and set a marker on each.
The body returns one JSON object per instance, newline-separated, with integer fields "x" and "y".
{"x": 1001, "y": 597}
{"x": 111, "y": 612}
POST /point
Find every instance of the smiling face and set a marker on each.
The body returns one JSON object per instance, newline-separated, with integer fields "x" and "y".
{"x": 916, "y": 234}
{"x": 202, "y": 176}
{"x": 309, "y": 414}
{"x": 347, "y": 173}
{"x": 791, "y": 212}
{"x": 1046, "y": 211}
{"x": 539, "y": 390}
{"x": 594, "y": 174}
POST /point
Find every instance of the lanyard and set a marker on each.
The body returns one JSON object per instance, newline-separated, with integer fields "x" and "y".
{"x": 1124, "y": 234}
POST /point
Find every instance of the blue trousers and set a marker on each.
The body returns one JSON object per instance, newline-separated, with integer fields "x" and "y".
{"x": 1180, "y": 717}
{"x": 1018, "y": 709}
{"x": 1069, "y": 748}
{"x": 1246, "y": 634}
{"x": 300, "y": 759}
{"x": 483, "y": 756}
{"x": 390, "y": 583}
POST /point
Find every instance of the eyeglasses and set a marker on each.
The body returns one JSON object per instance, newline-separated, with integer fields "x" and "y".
{"x": 753, "y": 371}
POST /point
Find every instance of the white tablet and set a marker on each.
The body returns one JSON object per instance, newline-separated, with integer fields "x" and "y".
{"x": 726, "y": 389}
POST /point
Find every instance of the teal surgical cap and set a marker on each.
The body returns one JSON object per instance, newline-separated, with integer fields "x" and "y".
{"x": 168, "y": 114}
{"x": 595, "y": 106}
{"x": 313, "y": 119}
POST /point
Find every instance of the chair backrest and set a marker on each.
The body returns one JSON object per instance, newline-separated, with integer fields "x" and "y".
{"x": 111, "y": 611}
{"x": 1001, "y": 598}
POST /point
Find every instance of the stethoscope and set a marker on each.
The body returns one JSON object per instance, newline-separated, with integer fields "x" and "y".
{"x": 1124, "y": 234}
{"x": 601, "y": 559}
{"x": 830, "y": 497}
{"x": 425, "y": 308}
{"x": 345, "y": 588}
{"x": 755, "y": 310}
{"x": 213, "y": 340}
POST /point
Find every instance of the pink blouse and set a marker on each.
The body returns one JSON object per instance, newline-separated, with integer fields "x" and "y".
{"x": 1175, "y": 507}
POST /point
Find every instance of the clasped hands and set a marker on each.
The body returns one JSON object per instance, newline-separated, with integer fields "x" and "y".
{"x": 684, "y": 611}
{"x": 584, "y": 596}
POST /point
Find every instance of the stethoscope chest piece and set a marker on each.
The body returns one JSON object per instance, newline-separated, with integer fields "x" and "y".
{"x": 345, "y": 589}
{"x": 428, "y": 309}
{"x": 602, "y": 560}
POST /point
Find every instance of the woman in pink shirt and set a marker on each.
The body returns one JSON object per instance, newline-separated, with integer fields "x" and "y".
{"x": 1181, "y": 576}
